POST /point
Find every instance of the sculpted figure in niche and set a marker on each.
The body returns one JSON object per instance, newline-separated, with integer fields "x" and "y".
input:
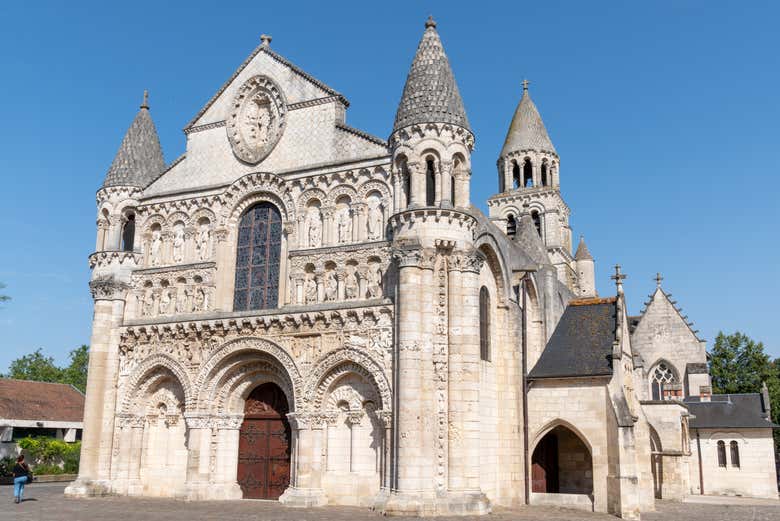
{"x": 331, "y": 286}
{"x": 350, "y": 286}
{"x": 200, "y": 300}
{"x": 345, "y": 225}
{"x": 314, "y": 223}
{"x": 374, "y": 224}
{"x": 156, "y": 248}
{"x": 310, "y": 288}
{"x": 178, "y": 242}
{"x": 203, "y": 240}
{"x": 149, "y": 302}
{"x": 257, "y": 121}
{"x": 374, "y": 282}
{"x": 181, "y": 300}
{"x": 165, "y": 301}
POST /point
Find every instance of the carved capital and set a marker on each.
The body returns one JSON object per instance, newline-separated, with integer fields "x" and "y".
{"x": 221, "y": 234}
{"x": 386, "y": 417}
{"x": 407, "y": 257}
{"x": 289, "y": 227}
{"x": 470, "y": 262}
{"x": 108, "y": 288}
{"x": 355, "y": 417}
{"x": 198, "y": 421}
{"x": 227, "y": 422}
{"x": 129, "y": 421}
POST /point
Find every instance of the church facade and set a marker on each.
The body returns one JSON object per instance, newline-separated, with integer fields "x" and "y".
{"x": 297, "y": 310}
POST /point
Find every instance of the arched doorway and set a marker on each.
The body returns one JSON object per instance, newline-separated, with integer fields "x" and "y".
{"x": 264, "y": 444}
{"x": 561, "y": 463}
{"x": 657, "y": 463}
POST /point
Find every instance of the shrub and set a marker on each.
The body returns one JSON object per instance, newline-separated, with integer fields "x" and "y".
{"x": 50, "y": 455}
{"x": 7, "y": 466}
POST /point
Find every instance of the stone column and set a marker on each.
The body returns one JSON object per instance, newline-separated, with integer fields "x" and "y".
{"x": 362, "y": 282}
{"x": 359, "y": 229}
{"x": 198, "y": 441}
{"x": 134, "y": 485}
{"x": 100, "y": 404}
{"x": 397, "y": 195}
{"x": 329, "y": 232}
{"x": 354, "y": 418}
{"x": 340, "y": 276}
{"x": 446, "y": 193}
{"x": 386, "y": 417}
{"x": 305, "y": 488}
{"x": 428, "y": 387}
{"x": 319, "y": 278}
{"x": 224, "y": 484}
{"x": 114, "y": 233}
{"x": 464, "y": 374}
{"x": 417, "y": 184}
{"x": 225, "y": 282}
{"x": 462, "y": 181}
{"x": 437, "y": 187}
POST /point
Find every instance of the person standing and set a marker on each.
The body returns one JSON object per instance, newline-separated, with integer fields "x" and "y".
{"x": 21, "y": 476}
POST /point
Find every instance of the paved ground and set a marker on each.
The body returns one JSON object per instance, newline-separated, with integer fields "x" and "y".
{"x": 45, "y": 502}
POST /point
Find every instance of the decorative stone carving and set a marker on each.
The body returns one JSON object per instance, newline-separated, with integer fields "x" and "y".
{"x": 108, "y": 288}
{"x": 374, "y": 279}
{"x": 203, "y": 241}
{"x": 257, "y": 120}
{"x": 374, "y": 223}
{"x": 314, "y": 227}
{"x": 155, "y": 251}
{"x": 331, "y": 286}
{"x": 351, "y": 287}
{"x": 345, "y": 225}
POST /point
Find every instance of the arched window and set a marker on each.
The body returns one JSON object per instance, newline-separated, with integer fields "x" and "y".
{"x": 511, "y": 225}
{"x": 430, "y": 182}
{"x": 661, "y": 376}
{"x": 128, "y": 233}
{"x": 528, "y": 174}
{"x": 515, "y": 174}
{"x": 734, "y": 447}
{"x": 545, "y": 180}
{"x": 257, "y": 258}
{"x": 721, "y": 454}
{"x": 537, "y": 221}
{"x": 484, "y": 324}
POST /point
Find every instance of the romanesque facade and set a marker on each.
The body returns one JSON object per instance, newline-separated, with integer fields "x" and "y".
{"x": 297, "y": 310}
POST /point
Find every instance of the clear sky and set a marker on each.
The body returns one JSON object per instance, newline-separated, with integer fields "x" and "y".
{"x": 665, "y": 114}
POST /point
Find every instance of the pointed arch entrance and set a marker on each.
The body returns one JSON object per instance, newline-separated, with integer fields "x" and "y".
{"x": 264, "y": 444}
{"x": 562, "y": 464}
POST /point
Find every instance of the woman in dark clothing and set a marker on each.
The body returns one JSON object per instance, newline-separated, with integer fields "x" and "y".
{"x": 21, "y": 471}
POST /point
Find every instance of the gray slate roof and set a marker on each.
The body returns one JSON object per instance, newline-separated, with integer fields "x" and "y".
{"x": 729, "y": 411}
{"x": 582, "y": 251}
{"x": 139, "y": 160}
{"x": 527, "y": 130}
{"x": 430, "y": 94}
{"x": 581, "y": 344}
{"x": 529, "y": 240}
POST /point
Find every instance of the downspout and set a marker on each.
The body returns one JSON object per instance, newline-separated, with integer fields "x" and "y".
{"x": 701, "y": 474}
{"x": 525, "y": 392}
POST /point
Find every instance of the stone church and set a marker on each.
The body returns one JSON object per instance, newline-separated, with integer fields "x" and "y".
{"x": 295, "y": 309}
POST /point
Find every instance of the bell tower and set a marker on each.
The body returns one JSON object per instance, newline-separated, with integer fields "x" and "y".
{"x": 529, "y": 174}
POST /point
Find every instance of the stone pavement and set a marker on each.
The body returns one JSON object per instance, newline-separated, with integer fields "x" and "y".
{"x": 45, "y": 502}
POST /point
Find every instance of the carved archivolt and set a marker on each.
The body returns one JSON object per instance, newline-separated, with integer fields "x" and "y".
{"x": 343, "y": 361}
{"x": 254, "y": 188}
{"x": 152, "y": 369}
{"x": 230, "y": 388}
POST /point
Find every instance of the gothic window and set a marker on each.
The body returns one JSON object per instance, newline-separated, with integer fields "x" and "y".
{"x": 430, "y": 182}
{"x": 257, "y": 258}
{"x": 721, "y": 454}
{"x": 537, "y": 222}
{"x": 484, "y": 324}
{"x": 545, "y": 180}
{"x": 734, "y": 448}
{"x": 128, "y": 233}
{"x": 528, "y": 174}
{"x": 661, "y": 376}
{"x": 511, "y": 225}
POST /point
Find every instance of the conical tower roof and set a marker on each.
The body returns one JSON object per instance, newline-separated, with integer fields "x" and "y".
{"x": 528, "y": 238}
{"x": 140, "y": 159}
{"x": 527, "y": 130}
{"x": 582, "y": 251}
{"x": 430, "y": 94}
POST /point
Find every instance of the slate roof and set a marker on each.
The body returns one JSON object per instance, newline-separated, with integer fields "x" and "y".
{"x": 40, "y": 401}
{"x": 527, "y": 237}
{"x": 430, "y": 94}
{"x": 139, "y": 160}
{"x": 744, "y": 411}
{"x": 581, "y": 344}
{"x": 527, "y": 130}
{"x": 582, "y": 251}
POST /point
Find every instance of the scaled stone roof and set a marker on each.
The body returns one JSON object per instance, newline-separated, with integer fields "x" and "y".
{"x": 582, "y": 251}
{"x": 527, "y": 237}
{"x": 581, "y": 344}
{"x": 527, "y": 130}
{"x": 40, "y": 401}
{"x": 139, "y": 160}
{"x": 729, "y": 411}
{"x": 430, "y": 94}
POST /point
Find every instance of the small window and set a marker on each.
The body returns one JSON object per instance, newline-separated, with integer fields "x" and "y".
{"x": 537, "y": 222}
{"x": 734, "y": 447}
{"x": 545, "y": 180}
{"x": 662, "y": 375}
{"x": 515, "y": 175}
{"x": 128, "y": 233}
{"x": 484, "y": 324}
{"x": 511, "y": 226}
{"x": 430, "y": 182}
{"x": 721, "y": 454}
{"x": 528, "y": 174}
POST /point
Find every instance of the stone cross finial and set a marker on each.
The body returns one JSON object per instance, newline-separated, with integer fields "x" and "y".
{"x": 145, "y": 104}
{"x": 430, "y": 22}
{"x": 618, "y": 277}
{"x": 525, "y": 85}
{"x": 658, "y": 279}
{"x": 265, "y": 40}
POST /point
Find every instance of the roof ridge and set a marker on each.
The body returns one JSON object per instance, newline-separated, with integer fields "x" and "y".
{"x": 361, "y": 133}
{"x": 279, "y": 58}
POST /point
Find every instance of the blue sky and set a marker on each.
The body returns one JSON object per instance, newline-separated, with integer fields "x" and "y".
{"x": 665, "y": 115}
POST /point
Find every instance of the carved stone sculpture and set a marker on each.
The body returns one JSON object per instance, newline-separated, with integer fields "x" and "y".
{"x": 314, "y": 225}
{"x": 374, "y": 223}
{"x": 200, "y": 300}
{"x": 331, "y": 286}
{"x": 374, "y": 282}
{"x": 203, "y": 241}
{"x": 310, "y": 289}
{"x": 351, "y": 287}
{"x": 345, "y": 225}
{"x": 178, "y": 243}
{"x": 156, "y": 248}
{"x": 165, "y": 302}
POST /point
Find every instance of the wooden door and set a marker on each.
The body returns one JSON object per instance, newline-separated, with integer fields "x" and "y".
{"x": 544, "y": 465}
{"x": 264, "y": 444}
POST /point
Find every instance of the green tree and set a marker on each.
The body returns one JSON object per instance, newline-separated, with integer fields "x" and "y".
{"x": 76, "y": 373}
{"x": 738, "y": 364}
{"x": 36, "y": 367}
